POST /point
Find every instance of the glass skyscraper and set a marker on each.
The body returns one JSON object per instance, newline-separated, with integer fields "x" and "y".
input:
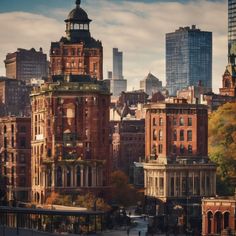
{"x": 232, "y": 30}
{"x": 188, "y": 59}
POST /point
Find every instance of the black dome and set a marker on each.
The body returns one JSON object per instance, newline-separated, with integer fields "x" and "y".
{"x": 78, "y": 14}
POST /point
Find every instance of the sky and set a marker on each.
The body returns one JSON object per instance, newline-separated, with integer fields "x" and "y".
{"x": 136, "y": 27}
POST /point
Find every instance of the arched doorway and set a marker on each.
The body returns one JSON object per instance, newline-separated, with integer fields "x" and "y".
{"x": 209, "y": 222}
{"x": 218, "y": 222}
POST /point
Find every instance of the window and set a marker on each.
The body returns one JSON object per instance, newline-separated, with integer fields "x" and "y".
{"x": 174, "y": 148}
{"x": 189, "y": 135}
{"x": 174, "y": 121}
{"x": 23, "y": 129}
{"x": 190, "y": 149}
{"x": 189, "y": 121}
{"x": 181, "y": 135}
{"x": 154, "y": 135}
{"x": 68, "y": 177}
{"x": 181, "y": 121}
{"x": 78, "y": 176}
{"x": 160, "y": 121}
{"x": 59, "y": 177}
{"x": 160, "y": 148}
{"x": 175, "y": 135}
{"x": 49, "y": 152}
{"x": 160, "y": 135}
{"x": 22, "y": 158}
{"x": 154, "y": 122}
{"x": 181, "y": 149}
{"x": 23, "y": 142}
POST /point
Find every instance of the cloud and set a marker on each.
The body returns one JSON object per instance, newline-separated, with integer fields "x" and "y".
{"x": 138, "y": 29}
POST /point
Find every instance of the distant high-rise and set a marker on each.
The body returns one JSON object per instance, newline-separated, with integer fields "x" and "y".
{"x": 117, "y": 64}
{"x": 26, "y": 64}
{"x": 118, "y": 83}
{"x": 232, "y": 30}
{"x": 188, "y": 58}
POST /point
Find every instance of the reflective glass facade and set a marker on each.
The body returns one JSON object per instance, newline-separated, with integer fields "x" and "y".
{"x": 232, "y": 27}
{"x": 188, "y": 59}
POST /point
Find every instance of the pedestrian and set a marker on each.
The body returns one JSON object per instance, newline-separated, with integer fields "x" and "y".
{"x": 139, "y": 233}
{"x": 128, "y": 231}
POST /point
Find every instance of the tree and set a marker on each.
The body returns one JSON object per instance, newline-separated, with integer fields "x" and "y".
{"x": 222, "y": 143}
{"x": 123, "y": 193}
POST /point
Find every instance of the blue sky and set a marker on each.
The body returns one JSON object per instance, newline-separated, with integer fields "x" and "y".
{"x": 136, "y": 27}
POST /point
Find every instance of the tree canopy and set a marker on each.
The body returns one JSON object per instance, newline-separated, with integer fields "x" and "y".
{"x": 222, "y": 141}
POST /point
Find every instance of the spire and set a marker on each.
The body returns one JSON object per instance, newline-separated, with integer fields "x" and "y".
{"x": 78, "y": 2}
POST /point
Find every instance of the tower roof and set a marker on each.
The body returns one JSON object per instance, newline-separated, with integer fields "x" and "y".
{"x": 78, "y": 14}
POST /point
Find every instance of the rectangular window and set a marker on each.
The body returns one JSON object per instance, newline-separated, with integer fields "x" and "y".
{"x": 189, "y": 135}
{"x": 160, "y": 148}
{"x": 189, "y": 121}
{"x": 181, "y": 137}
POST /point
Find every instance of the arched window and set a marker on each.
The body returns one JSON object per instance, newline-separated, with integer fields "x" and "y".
{"x": 59, "y": 177}
{"x": 160, "y": 121}
{"x": 226, "y": 220}
{"x": 160, "y": 135}
{"x": 5, "y": 129}
{"x": 227, "y": 83}
{"x": 68, "y": 177}
{"x": 217, "y": 221}
{"x": 209, "y": 222}
{"x": 154, "y": 121}
{"x": 78, "y": 176}
{"x": 181, "y": 121}
{"x": 154, "y": 134}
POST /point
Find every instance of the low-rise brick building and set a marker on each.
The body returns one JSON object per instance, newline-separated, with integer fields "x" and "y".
{"x": 15, "y": 153}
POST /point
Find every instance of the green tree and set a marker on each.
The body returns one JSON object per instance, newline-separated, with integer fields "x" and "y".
{"x": 222, "y": 145}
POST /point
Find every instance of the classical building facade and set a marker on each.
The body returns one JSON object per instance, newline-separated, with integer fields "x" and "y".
{"x": 78, "y": 52}
{"x": 70, "y": 118}
{"x": 177, "y": 171}
{"x": 218, "y": 216}
{"x": 26, "y": 65}
{"x": 15, "y": 153}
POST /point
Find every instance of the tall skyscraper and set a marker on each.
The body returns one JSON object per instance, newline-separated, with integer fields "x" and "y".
{"x": 117, "y": 64}
{"x": 118, "y": 83}
{"x": 188, "y": 58}
{"x": 232, "y": 30}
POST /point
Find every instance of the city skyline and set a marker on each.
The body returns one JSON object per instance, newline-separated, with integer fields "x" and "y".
{"x": 144, "y": 48}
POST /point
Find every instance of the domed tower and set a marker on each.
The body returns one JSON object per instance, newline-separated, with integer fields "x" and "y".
{"x": 78, "y": 53}
{"x": 77, "y": 24}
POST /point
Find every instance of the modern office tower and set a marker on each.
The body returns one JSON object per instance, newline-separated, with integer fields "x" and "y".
{"x": 117, "y": 64}
{"x": 177, "y": 169}
{"x": 118, "y": 83}
{"x": 229, "y": 76}
{"x": 77, "y": 53}
{"x": 232, "y": 30}
{"x": 150, "y": 84}
{"x": 26, "y": 65}
{"x": 70, "y": 118}
{"x": 15, "y": 156}
{"x": 188, "y": 59}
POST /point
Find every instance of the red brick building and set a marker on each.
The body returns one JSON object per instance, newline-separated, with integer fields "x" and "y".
{"x": 78, "y": 52}
{"x": 176, "y": 129}
{"x": 70, "y": 117}
{"x": 218, "y": 216}
{"x": 15, "y": 153}
{"x": 128, "y": 144}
